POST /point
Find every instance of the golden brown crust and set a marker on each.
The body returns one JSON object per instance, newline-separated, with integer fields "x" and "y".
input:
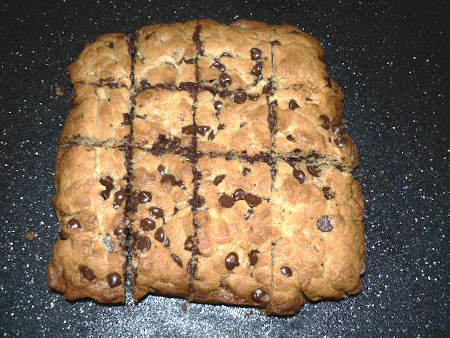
{"x": 239, "y": 177}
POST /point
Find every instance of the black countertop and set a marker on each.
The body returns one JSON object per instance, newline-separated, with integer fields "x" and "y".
{"x": 391, "y": 58}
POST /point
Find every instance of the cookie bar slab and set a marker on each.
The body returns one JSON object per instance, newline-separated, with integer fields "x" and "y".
{"x": 105, "y": 61}
{"x": 318, "y": 211}
{"x": 234, "y": 233}
{"x": 162, "y": 223}
{"x": 100, "y": 115}
{"x": 88, "y": 258}
{"x": 232, "y": 124}
{"x": 165, "y": 54}
{"x": 163, "y": 118}
{"x": 311, "y": 130}
{"x": 234, "y": 58}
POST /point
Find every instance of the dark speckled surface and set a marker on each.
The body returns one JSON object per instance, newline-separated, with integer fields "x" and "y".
{"x": 391, "y": 59}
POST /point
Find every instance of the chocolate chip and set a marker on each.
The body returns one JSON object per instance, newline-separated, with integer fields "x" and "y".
{"x": 248, "y": 214}
{"x": 290, "y": 138}
{"x": 259, "y": 296}
{"x": 197, "y": 201}
{"x": 73, "y": 224}
{"x": 156, "y": 212}
{"x": 161, "y": 236}
{"x": 275, "y": 43}
{"x": 255, "y": 53}
{"x": 108, "y": 243}
{"x": 325, "y": 121}
{"x": 253, "y": 200}
{"x": 221, "y": 126}
{"x": 168, "y": 178}
{"x": 326, "y": 192}
{"x": 226, "y": 201}
{"x": 190, "y": 130}
{"x": 161, "y": 169}
{"x": 190, "y": 86}
{"x": 114, "y": 279}
{"x": 63, "y": 236}
{"x": 324, "y": 224}
{"x": 218, "y": 179}
{"x": 143, "y": 243}
{"x": 257, "y": 68}
{"x": 107, "y": 182}
{"x": 189, "y": 61}
{"x": 313, "y": 170}
{"x": 299, "y": 175}
{"x": 266, "y": 89}
{"x": 119, "y": 197}
{"x": 253, "y": 97}
{"x": 232, "y": 261}
{"x": 329, "y": 83}
{"x": 111, "y": 45}
{"x": 144, "y": 197}
{"x": 273, "y": 104}
{"x": 86, "y": 272}
{"x": 293, "y": 105}
{"x": 240, "y": 96}
{"x": 239, "y": 194}
{"x": 226, "y": 54}
{"x": 253, "y": 257}
{"x": 286, "y": 271}
{"x": 202, "y": 130}
{"x": 224, "y": 79}
{"x": 340, "y": 141}
{"x": 177, "y": 260}
{"x": 192, "y": 267}
{"x": 246, "y": 171}
{"x": 147, "y": 224}
{"x": 211, "y": 135}
{"x": 126, "y": 118}
{"x": 105, "y": 194}
{"x": 243, "y": 124}
{"x": 175, "y": 210}
{"x": 218, "y": 105}
{"x": 219, "y": 66}
{"x": 225, "y": 93}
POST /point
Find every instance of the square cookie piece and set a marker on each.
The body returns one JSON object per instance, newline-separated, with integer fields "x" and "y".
{"x": 99, "y": 115}
{"x": 163, "y": 118}
{"x": 162, "y": 223}
{"x": 88, "y": 258}
{"x": 309, "y": 128}
{"x": 234, "y": 233}
{"x": 165, "y": 54}
{"x": 230, "y": 124}
{"x": 318, "y": 211}
{"x": 105, "y": 61}
{"x": 234, "y": 57}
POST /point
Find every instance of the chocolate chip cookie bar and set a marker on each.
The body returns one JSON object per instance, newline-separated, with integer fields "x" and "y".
{"x": 214, "y": 157}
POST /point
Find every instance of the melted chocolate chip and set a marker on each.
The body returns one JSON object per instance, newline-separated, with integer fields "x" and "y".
{"x": 73, "y": 224}
{"x": 252, "y": 200}
{"x": 156, "y": 212}
{"x": 189, "y": 86}
{"x": 259, "y": 295}
{"x": 248, "y": 214}
{"x": 63, "y": 236}
{"x": 325, "y": 121}
{"x": 299, "y": 175}
{"x": 253, "y": 257}
{"x": 119, "y": 197}
{"x": 168, "y": 178}
{"x": 86, "y": 272}
{"x": 266, "y": 89}
{"x": 147, "y": 224}
{"x": 293, "y": 105}
{"x": 218, "y": 179}
{"x": 239, "y": 194}
{"x": 114, "y": 279}
{"x": 219, "y": 66}
{"x": 218, "y": 105}
{"x": 143, "y": 243}
{"x": 257, "y": 68}
{"x": 224, "y": 79}
{"x": 177, "y": 260}
{"x": 161, "y": 236}
{"x": 246, "y": 171}
{"x": 240, "y": 96}
{"x": 286, "y": 271}
{"x": 225, "y": 93}
{"x": 324, "y": 224}
{"x": 108, "y": 183}
{"x": 255, "y": 53}
{"x": 202, "y": 130}
{"x": 190, "y": 130}
{"x": 275, "y": 43}
{"x": 226, "y": 201}
{"x": 326, "y": 192}
{"x": 232, "y": 261}
{"x": 144, "y": 197}
{"x": 290, "y": 138}
{"x": 313, "y": 170}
